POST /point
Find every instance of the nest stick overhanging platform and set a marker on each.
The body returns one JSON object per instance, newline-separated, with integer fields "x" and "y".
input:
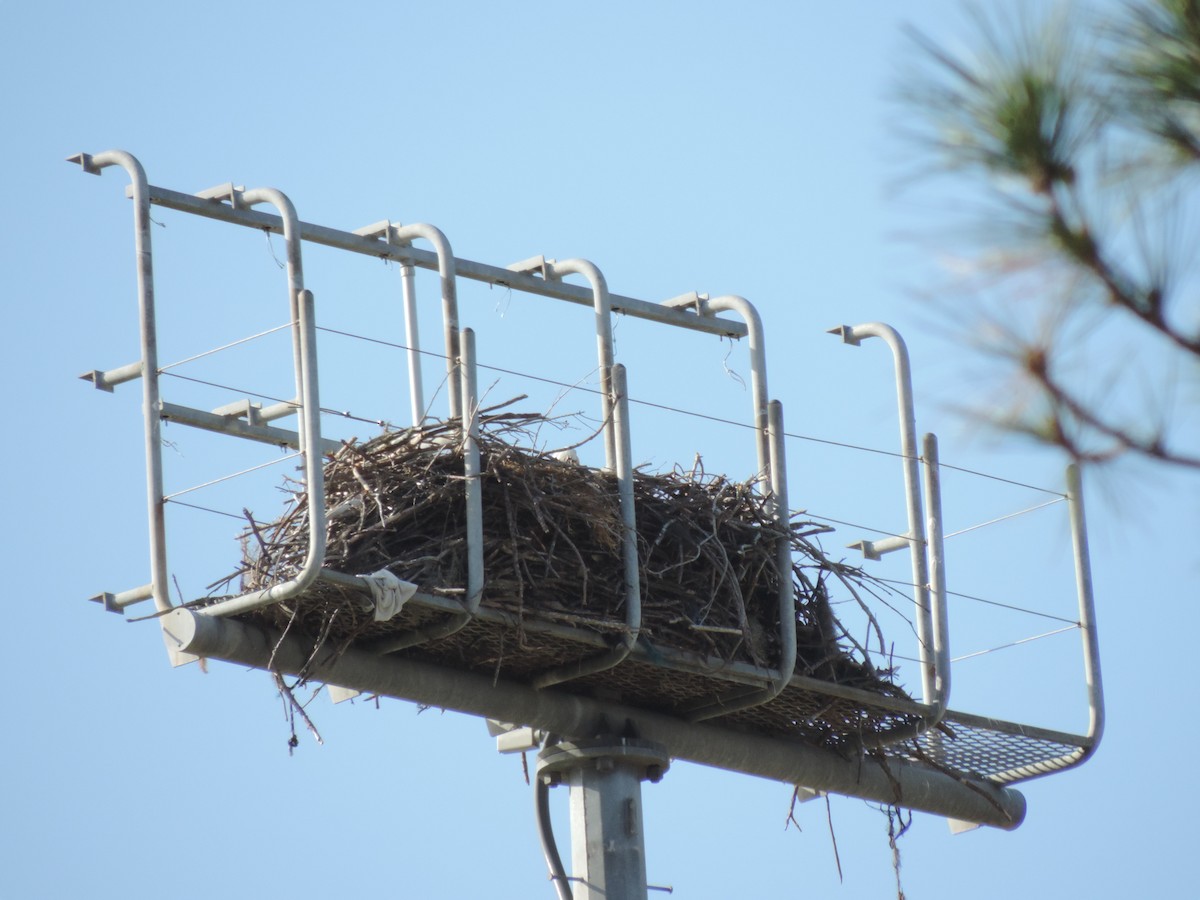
{"x": 765, "y": 690}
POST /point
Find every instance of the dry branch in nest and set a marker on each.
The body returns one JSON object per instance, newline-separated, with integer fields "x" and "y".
{"x": 552, "y": 551}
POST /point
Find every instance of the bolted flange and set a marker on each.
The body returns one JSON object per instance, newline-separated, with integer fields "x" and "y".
{"x": 649, "y": 759}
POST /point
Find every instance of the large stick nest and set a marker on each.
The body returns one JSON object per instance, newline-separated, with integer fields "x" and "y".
{"x": 707, "y": 549}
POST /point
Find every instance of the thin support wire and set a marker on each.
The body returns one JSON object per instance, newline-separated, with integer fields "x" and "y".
{"x": 1003, "y": 518}
{"x": 244, "y": 340}
{"x": 1021, "y": 609}
{"x": 813, "y": 515}
{"x": 215, "y": 512}
{"x": 231, "y": 475}
{"x": 1008, "y": 646}
{"x": 1058, "y": 495}
{"x": 325, "y": 410}
{"x": 1036, "y": 637}
{"x": 704, "y": 416}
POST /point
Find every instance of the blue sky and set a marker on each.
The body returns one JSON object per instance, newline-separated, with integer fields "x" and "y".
{"x": 723, "y": 148}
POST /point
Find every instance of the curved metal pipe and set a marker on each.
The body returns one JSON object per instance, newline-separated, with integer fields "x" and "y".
{"x": 295, "y": 269}
{"x": 447, "y": 273}
{"x": 304, "y": 349}
{"x": 151, "y": 399}
{"x": 915, "y": 538}
{"x": 1087, "y": 744}
{"x": 602, "y": 303}
{"x": 758, "y": 369}
{"x": 709, "y": 307}
{"x": 629, "y": 552}
{"x": 772, "y": 471}
{"x": 314, "y": 477}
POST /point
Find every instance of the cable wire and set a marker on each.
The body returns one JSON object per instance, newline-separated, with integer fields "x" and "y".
{"x": 230, "y": 476}
{"x": 244, "y": 340}
{"x": 678, "y": 410}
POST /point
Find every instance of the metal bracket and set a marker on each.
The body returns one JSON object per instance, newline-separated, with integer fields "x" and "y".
{"x": 958, "y": 826}
{"x": 514, "y": 738}
{"x": 846, "y": 333}
{"x": 340, "y": 694}
{"x": 227, "y": 191}
{"x": 117, "y": 602}
{"x": 381, "y": 229}
{"x": 85, "y": 163}
{"x": 691, "y": 301}
{"x": 535, "y": 265}
{"x": 241, "y": 409}
{"x": 106, "y": 381}
{"x": 876, "y": 549}
{"x": 805, "y": 794}
{"x": 651, "y": 760}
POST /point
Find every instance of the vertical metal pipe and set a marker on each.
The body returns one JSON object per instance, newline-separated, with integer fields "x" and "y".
{"x": 625, "y": 490}
{"x": 151, "y": 404}
{"x": 937, "y": 582}
{"x": 1087, "y": 608}
{"x": 608, "y": 852}
{"x": 447, "y": 273}
{"x": 412, "y": 337}
{"x": 629, "y": 552}
{"x": 779, "y": 505}
{"x": 777, "y": 468}
{"x": 602, "y": 304}
{"x": 472, "y": 472}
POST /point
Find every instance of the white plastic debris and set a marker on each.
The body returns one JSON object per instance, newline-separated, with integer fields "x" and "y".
{"x": 345, "y": 509}
{"x": 389, "y": 593}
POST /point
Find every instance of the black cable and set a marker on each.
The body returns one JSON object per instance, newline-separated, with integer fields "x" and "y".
{"x": 541, "y": 802}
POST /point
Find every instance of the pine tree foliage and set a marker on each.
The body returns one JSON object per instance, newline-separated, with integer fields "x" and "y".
{"x": 1081, "y": 128}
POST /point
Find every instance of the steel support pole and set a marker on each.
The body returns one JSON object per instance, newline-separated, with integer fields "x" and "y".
{"x": 608, "y": 844}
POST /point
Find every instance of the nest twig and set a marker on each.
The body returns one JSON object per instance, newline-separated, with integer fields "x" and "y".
{"x": 707, "y": 549}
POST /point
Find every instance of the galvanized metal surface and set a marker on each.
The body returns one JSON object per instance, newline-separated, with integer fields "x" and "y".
{"x": 902, "y": 781}
{"x": 467, "y": 371}
{"x": 139, "y": 190}
{"x": 403, "y": 236}
{"x": 608, "y": 837}
{"x": 314, "y": 467}
{"x": 728, "y": 703}
{"x": 914, "y": 538}
{"x": 951, "y": 771}
{"x": 619, "y": 411}
{"x": 465, "y": 268}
